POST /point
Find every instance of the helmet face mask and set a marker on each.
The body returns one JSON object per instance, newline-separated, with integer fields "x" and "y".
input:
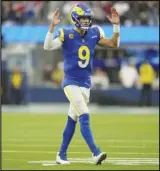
{"x": 85, "y": 23}
{"x": 79, "y": 16}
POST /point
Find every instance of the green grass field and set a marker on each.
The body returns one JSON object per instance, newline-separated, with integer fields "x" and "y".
{"x": 31, "y": 141}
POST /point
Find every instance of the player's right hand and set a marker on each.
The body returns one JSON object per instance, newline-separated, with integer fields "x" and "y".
{"x": 114, "y": 19}
{"x": 55, "y": 18}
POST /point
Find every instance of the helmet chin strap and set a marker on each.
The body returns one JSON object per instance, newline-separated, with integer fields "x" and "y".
{"x": 84, "y": 28}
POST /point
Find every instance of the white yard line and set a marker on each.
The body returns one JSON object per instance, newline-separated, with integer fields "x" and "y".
{"x": 39, "y": 145}
{"x": 14, "y": 159}
{"x": 116, "y": 161}
{"x": 113, "y": 161}
{"x": 55, "y": 152}
{"x": 77, "y": 159}
{"x": 76, "y": 140}
{"x": 127, "y": 146}
{"x": 74, "y": 146}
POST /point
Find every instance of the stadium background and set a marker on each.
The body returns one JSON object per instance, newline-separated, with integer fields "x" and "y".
{"x": 116, "y": 86}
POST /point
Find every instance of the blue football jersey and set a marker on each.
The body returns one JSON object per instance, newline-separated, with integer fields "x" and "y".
{"x": 78, "y": 53}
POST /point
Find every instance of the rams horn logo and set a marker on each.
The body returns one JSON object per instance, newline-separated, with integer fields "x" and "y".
{"x": 71, "y": 36}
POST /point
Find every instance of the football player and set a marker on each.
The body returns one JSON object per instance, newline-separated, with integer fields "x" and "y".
{"x": 78, "y": 44}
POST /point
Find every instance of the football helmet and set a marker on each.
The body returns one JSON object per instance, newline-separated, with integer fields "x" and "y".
{"x": 81, "y": 11}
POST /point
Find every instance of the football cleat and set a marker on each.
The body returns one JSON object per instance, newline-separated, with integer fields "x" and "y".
{"x": 99, "y": 158}
{"x": 62, "y": 159}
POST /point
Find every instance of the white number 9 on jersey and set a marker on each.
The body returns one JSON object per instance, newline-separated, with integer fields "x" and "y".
{"x": 86, "y": 57}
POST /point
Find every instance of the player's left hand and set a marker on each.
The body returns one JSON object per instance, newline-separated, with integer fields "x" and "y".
{"x": 114, "y": 19}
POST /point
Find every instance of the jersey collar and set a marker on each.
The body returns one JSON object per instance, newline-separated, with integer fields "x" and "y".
{"x": 78, "y": 31}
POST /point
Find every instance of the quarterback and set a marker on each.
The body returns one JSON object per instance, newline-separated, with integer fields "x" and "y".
{"x": 78, "y": 44}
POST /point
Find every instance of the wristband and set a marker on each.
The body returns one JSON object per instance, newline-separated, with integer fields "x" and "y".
{"x": 116, "y": 28}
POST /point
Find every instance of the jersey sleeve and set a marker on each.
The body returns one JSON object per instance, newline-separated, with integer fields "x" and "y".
{"x": 100, "y": 32}
{"x": 60, "y": 35}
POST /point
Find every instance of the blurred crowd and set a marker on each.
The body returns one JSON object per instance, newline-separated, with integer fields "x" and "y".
{"x": 144, "y": 78}
{"x": 22, "y": 12}
{"x": 53, "y": 75}
{"x": 129, "y": 76}
{"x": 131, "y": 13}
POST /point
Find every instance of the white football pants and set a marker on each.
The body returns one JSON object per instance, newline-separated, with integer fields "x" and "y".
{"x": 78, "y": 97}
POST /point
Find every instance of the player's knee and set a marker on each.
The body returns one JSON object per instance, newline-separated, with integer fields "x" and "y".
{"x": 78, "y": 103}
{"x": 81, "y": 107}
{"x": 73, "y": 116}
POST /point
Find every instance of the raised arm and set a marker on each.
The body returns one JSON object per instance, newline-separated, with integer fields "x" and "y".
{"x": 114, "y": 41}
{"x": 49, "y": 43}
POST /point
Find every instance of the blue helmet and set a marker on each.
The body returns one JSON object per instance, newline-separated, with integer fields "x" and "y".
{"x": 81, "y": 11}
